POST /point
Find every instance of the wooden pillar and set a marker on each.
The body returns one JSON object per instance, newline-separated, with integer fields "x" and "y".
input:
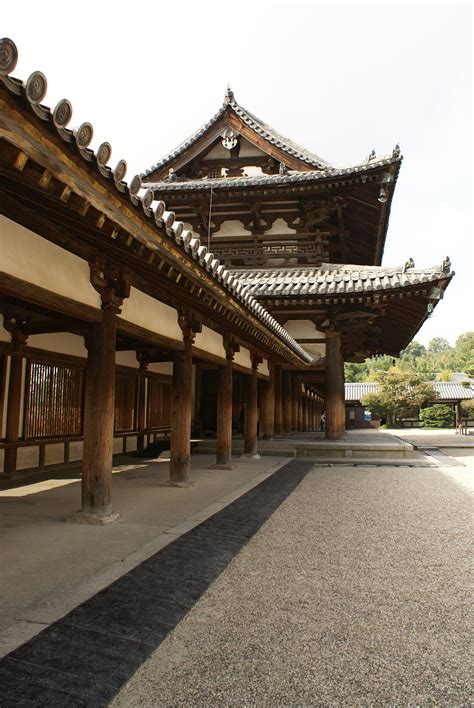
{"x": 278, "y": 409}
{"x": 295, "y": 386}
{"x": 335, "y": 403}
{"x": 14, "y": 399}
{"x": 287, "y": 402}
{"x": 224, "y": 412}
{"x": 267, "y": 405}
{"x": 197, "y": 399}
{"x": 99, "y": 399}
{"x": 251, "y": 404}
{"x": 181, "y": 400}
{"x": 99, "y": 413}
{"x": 141, "y": 404}
{"x": 300, "y": 409}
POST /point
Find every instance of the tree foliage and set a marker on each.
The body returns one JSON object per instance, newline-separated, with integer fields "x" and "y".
{"x": 401, "y": 393}
{"x": 437, "y": 360}
{"x": 437, "y": 416}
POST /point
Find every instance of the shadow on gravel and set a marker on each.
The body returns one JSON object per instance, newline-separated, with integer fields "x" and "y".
{"x": 84, "y": 658}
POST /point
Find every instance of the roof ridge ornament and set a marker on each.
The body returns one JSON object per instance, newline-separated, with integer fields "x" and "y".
{"x": 410, "y": 263}
{"x": 229, "y": 96}
{"x": 446, "y": 266}
{"x": 396, "y": 152}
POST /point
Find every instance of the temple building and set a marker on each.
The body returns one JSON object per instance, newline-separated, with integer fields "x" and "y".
{"x": 221, "y": 289}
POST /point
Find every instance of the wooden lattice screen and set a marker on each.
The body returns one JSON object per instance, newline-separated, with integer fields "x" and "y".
{"x": 53, "y": 400}
{"x": 159, "y": 402}
{"x": 125, "y": 402}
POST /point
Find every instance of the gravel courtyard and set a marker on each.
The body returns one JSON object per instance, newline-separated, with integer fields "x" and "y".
{"x": 355, "y": 591}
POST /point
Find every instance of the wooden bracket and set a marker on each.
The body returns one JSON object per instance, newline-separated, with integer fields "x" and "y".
{"x": 189, "y": 323}
{"x": 111, "y": 282}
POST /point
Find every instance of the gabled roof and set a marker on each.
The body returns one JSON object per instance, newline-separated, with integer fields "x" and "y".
{"x": 258, "y": 126}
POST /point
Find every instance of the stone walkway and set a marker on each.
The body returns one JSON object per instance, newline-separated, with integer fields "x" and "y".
{"x": 356, "y": 591}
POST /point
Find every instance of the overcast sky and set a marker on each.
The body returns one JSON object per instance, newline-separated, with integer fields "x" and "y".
{"x": 339, "y": 78}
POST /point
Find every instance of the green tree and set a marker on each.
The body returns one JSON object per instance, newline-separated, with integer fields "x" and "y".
{"x": 437, "y": 416}
{"x": 464, "y": 351}
{"x": 401, "y": 393}
{"x": 438, "y": 345}
{"x": 355, "y": 373}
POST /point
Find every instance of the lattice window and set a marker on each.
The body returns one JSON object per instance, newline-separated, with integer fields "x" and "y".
{"x": 159, "y": 403}
{"x": 53, "y": 400}
{"x": 214, "y": 172}
{"x": 125, "y": 401}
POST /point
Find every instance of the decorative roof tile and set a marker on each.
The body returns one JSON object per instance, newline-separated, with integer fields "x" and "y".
{"x": 290, "y": 177}
{"x": 336, "y": 279}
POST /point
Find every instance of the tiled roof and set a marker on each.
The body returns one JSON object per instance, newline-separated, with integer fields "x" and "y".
{"x": 291, "y": 177}
{"x": 78, "y": 140}
{"x": 447, "y": 391}
{"x": 335, "y": 279}
{"x": 257, "y": 125}
{"x": 356, "y": 391}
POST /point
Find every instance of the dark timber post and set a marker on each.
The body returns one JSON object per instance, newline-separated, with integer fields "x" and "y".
{"x": 12, "y": 325}
{"x": 99, "y": 400}
{"x": 141, "y": 408}
{"x": 287, "y": 402}
{"x": 251, "y": 413}
{"x": 181, "y": 404}
{"x": 267, "y": 405}
{"x": 278, "y": 414}
{"x": 295, "y": 388}
{"x": 224, "y": 409}
{"x": 335, "y": 403}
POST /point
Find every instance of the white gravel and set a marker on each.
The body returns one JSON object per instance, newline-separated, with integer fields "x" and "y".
{"x": 356, "y": 591}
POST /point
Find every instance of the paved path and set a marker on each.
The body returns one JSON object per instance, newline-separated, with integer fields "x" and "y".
{"x": 355, "y": 591}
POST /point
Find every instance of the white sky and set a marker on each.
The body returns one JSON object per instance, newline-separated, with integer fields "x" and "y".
{"x": 339, "y": 78}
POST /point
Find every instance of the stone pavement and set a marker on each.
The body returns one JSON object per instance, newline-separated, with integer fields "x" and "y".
{"x": 49, "y": 567}
{"x": 355, "y": 591}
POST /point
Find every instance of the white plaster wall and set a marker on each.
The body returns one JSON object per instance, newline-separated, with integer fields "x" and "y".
{"x": 118, "y": 445}
{"x": 243, "y": 358}
{"x": 279, "y": 227}
{"x": 31, "y": 258}
{"x": 303, "y": 329}
{"x": 54, "y": 454}
{"x": 252, "y": 170}
{"x": 210, "y": 341}
{"x": 62, "y": 343}
{"x": 232, "y": 227}
{"x": 127, "y": 359}
{"x": 75, "y": 450}
{"x": 165, "y": 367}
{"x": 248, "y": 149}
{"x": 263, "y": 368}
{"x": 28, "y": 457}
{"x": 151, "y": 314}
{"x": 132, "y": 443}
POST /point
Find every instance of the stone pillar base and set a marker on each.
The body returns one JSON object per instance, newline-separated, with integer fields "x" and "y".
{"x": 88, "y": 517}
{"x": 181, "y": 485}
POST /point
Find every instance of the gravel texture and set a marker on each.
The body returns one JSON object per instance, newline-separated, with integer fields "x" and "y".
{"x": 355, "y": 591}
